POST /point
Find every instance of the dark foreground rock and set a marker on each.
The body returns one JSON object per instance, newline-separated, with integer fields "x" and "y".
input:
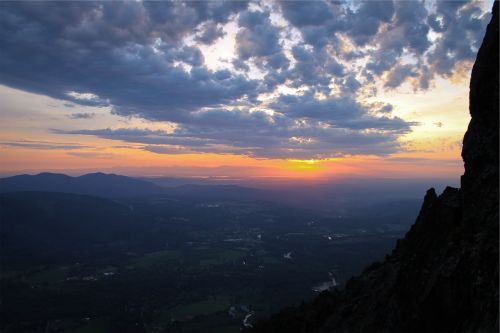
{"x": 443, "y": 276}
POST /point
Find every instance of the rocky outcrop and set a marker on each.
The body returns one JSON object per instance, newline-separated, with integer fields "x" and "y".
{"x": 443, "y": 276}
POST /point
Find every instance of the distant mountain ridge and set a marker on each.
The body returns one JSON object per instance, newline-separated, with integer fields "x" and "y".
{"x": 117, "y": 186}
{"x": 443, "y": 276}
{"x": 97, "y": 184}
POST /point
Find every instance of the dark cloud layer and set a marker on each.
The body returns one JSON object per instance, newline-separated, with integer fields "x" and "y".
{"x": 134, "y": 58}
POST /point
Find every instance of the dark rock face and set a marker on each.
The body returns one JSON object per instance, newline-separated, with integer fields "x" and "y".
{"x": 443, "y": 276}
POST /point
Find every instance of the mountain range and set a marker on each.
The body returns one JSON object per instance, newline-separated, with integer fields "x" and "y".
{"x": 98, "y": 184}
{"x": 117, "y": 186}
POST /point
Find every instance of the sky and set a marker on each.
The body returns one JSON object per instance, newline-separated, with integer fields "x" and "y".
{"x": 234, "y": 89}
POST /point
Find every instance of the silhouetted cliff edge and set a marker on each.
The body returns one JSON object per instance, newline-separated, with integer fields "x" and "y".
{"x": 443, "y": 276}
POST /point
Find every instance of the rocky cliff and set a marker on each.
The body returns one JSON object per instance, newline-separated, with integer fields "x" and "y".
{"x": 443, "y": 276}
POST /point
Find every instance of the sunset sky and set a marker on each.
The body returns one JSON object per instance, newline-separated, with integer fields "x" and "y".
{"x": 305, "y": 90}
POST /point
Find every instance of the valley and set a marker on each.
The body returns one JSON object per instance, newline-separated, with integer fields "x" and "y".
{"x": 173, "y": 263}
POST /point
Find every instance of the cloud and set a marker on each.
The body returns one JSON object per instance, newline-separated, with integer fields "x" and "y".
{"x": 313, "y": 69}
{"x": 218, "y": 11}
{"x": 43, "y": 145}
{"x": 304, "y": 13}
{"x": 338, "y": 112}
{"x": 365, "y": 22}
{"x": 150, "y": 60}
{"x": 82, "y": 115}
{"x": 301, "y": 127}
{"x": 92, "y": 154}
{"x": 461, "y": 25}
{"x": 163, "y": 149}
{"x": 121, "y": 56}
{"x": 209, "y": 32}
{"x": 188, "y": 55}
{"x": 296, "y": 143}
{"x": 257, "y": 36}
{"x": 399, "y": 74}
